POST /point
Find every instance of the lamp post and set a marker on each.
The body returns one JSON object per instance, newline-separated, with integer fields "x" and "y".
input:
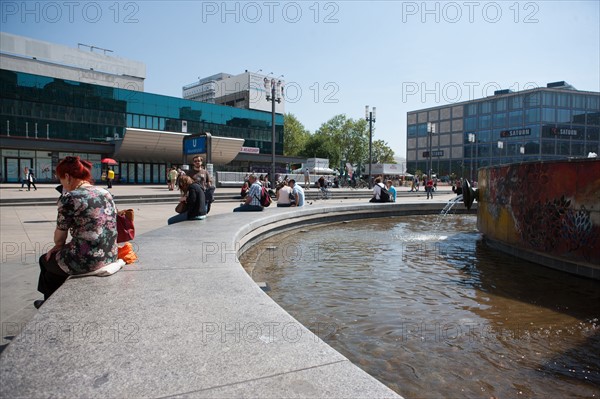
{"x": 472, "y": 140}
{"x": 370, "y": 117}
{"x": 430, "y": 133}
{"x": 274, "y": 89}
{"x": 500, "y": 147}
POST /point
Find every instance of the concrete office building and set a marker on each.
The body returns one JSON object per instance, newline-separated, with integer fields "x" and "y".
{"x": 553, "y": 122}
{"x": 246, "y": 90}
{"x": 57, "y": 101}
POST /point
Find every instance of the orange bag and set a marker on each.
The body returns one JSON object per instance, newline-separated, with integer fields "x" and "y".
{"x": 127, "y": 254}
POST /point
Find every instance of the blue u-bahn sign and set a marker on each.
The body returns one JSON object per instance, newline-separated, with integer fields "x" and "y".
{"x": 194, "y": 145}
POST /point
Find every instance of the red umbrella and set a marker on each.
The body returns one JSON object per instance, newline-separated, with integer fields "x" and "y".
{"x": 108, "y": 161}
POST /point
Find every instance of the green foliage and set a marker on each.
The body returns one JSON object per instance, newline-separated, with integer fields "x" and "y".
{"x": 382, "y": 153}
{"x": 340, "y": 139}
{"x": 295, "y": 136}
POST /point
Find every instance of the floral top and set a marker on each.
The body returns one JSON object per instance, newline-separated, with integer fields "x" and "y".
{"x": 90, "y": 215}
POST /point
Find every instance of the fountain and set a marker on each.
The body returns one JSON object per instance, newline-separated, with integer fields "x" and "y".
{"x": 544, "y": 212}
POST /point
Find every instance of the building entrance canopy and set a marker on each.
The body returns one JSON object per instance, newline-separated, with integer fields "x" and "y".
{"x": 216, "y": 150}
{"x": 156, "y": 146}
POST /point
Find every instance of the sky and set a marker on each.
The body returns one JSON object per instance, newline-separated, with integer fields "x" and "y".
{"x": 338, "y": 56}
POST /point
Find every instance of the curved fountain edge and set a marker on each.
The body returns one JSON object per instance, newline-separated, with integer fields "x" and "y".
{"x": 216, "y": 335}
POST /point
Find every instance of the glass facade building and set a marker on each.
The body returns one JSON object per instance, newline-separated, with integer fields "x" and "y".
{"x": 43, "y": 119}
{"x": 555, "y": 122}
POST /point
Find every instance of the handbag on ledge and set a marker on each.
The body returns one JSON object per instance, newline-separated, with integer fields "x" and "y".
{"x": 181, "y": 207}
{"x": 125, "y": 227}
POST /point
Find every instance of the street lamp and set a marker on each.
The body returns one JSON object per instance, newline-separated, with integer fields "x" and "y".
{"x": 370, "y": 117}
{"x": 472, "y": 140}
{"x": 500, "y": 147}
{"x": 274, "y": 90}
{"x": 430, "y": 133}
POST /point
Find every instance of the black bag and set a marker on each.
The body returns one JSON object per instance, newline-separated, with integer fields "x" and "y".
{"x": 385, "y": 196}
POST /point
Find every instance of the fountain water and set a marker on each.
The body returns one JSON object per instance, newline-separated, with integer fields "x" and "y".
{"x": 447, "y": 209}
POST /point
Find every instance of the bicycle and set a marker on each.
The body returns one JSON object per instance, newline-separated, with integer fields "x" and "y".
{"x": 361, "y": 184}
{"x": 324, "y": 193}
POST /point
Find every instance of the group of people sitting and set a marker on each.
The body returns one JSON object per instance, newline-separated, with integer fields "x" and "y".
{"x": 89, "y": 213}
{"x": 288, "y": 193}
{"x": 197, "y": 193}
{"x": 383, "y": 192}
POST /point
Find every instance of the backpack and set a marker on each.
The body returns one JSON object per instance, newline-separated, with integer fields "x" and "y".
{"x": 265, "y": 198}
{"x": 385, "y": 195}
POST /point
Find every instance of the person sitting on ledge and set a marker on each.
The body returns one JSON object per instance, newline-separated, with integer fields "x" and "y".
{"x": 244, "y": 190}
{"x": 252, "y": 201}
{"x": 192, "y": 195}
{"x": 377, "y": 190}
{"x": 284, "y": 195}
{"x": 392, "y": 190}
{"x": 297, "y": 192}
{"x": 89, "y": 213}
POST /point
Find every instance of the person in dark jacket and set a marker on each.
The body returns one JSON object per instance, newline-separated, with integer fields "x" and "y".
{"x": 193, "y": 198}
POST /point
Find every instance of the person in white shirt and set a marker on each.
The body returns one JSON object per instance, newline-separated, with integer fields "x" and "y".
{"x": 298, "y": 193}
{"x": 306, "y": 179}
{"x": 377, "y": 189}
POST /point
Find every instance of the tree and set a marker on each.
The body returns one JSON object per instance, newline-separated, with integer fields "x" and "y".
{"x": 295, "y": 136}
{"x": 342, "y": 140}
{"x": 382, "y": 153}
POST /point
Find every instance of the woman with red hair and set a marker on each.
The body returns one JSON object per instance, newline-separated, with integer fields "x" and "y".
{"x": 89, "y": 214}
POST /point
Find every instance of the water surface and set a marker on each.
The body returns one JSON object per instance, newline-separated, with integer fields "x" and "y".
{"x": 433, "y": 312}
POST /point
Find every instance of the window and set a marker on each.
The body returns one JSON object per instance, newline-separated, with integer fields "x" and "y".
{"x": 516, "y": 102}
{"x": 471, "y": 123}
{"x": 532, "y": 100}
{"x": 515, "y": 118}
{"x": 484, "y": 136}
{"x": 532, "y": 115}
{"x": 500, "y": 105}
{"x": 471, "y": 109}
{"x": 593, "y": 118}
{"x": 548, "y": 147}
{"x": 579, "y": 116}
{"x": 549, "y": 115}
{"x": 578, "y": 101}
{"x": 548, "y": 99}
{"x": 593, "y": 103}
{"x": 412, "y": 130}
{"x": 485, "y": 107}
{"x": 563, "y": 100}
{"x": 500, "y": 120}
{"x": 563, "y": 115}
{"x": 485, "y": 121}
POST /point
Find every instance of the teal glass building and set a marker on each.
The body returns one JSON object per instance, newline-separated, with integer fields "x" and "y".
{"x": 43, "y": 119}
{"x": 547, "y": 123}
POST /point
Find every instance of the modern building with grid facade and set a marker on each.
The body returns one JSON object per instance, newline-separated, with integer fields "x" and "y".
{"x": 57, "y": 101}
{"x": 548, "y": 123}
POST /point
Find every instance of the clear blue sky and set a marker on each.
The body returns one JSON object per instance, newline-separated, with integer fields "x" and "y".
{"x": 338, "y": 56}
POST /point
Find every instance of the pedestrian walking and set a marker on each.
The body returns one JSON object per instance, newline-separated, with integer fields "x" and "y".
{"x": 31, "y": 180}
{"x": 24, "y": 177}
